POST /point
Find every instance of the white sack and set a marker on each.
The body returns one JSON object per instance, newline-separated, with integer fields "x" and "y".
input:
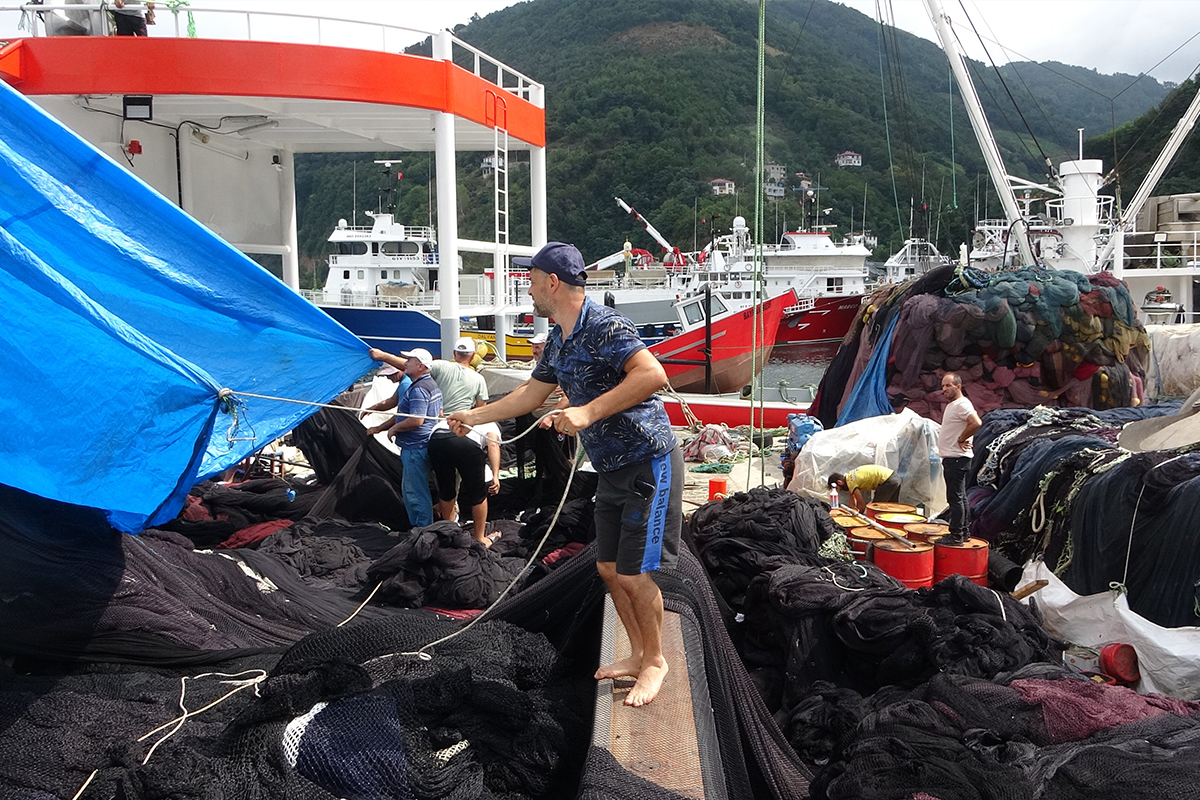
{"x": 1174, "y": 369}
{"x": 1168, "y": 658}
{"x": 905, "y": 442}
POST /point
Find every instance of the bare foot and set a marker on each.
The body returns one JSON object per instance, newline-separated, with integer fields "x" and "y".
{"x": 625, "y": 668}
{"x": 648, "y": 683}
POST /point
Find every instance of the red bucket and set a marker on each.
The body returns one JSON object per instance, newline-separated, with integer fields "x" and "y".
{"x": 1121, "y": 662}
{"x": 911, "y": 566}
{"x": 892, "y": 508}
{"x": 862, "y": 538}
{"x": 969, "y": 558}
{"x": 717, "y": 488}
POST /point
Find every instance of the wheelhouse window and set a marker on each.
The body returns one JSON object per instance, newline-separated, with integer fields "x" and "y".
{"x": 834, "y": 285}
{"x": 351, "y": 249}
{"x": 400, "y": 248}
{"x": 693, "y": 313}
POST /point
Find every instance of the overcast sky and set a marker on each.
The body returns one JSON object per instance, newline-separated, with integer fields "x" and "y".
{"x": 1129, "y": 36}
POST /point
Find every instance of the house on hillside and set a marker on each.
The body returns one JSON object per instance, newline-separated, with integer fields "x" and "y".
{"x": 848, "y": 159}
{"x": 722, "y": 186}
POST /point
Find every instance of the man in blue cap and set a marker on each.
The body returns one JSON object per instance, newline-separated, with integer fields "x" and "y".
{"x": 594, "y": 353}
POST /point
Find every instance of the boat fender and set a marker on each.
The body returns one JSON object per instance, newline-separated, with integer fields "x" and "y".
{"x": 480, "y": 352}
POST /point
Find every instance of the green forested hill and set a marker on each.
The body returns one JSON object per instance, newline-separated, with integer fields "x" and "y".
{"x": 651, "y": 99}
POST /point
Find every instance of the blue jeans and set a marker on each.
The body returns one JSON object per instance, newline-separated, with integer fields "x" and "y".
{"x": 415, "y": 486}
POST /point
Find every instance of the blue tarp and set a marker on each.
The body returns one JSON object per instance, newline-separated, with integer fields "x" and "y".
{"x": 123, "y": 317}
{"x": 869, "y": 397}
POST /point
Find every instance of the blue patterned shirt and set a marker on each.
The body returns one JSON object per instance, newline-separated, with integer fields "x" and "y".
{"x": 423, "y": 398}
{"x": 591, "y": 362}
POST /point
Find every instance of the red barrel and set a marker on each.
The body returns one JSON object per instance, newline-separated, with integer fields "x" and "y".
{"x": 969, "y": 558}
{"x": 1121, "y": 662}
{"x": 844, "y": 519}
{"x": 925, "y": 531}
{"x": 911, "y": 566}
{"x": 893, "y": 508}
{"x": 862, "y": 538}
{"x": 897, "y": 520}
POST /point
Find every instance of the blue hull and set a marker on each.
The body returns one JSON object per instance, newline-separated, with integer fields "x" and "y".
{"x": 390, "y": 329}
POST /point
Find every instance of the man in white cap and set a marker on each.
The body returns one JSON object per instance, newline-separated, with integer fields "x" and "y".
{"x": 597, "y": 357}
{"x": 538, "y": 343}
{"x": 462, "y": 387}
{"x": 410, "y": 430}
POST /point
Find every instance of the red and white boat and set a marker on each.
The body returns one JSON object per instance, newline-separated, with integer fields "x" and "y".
{"x": 741, "y": 340}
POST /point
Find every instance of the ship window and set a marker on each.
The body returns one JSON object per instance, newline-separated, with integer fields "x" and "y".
{"x": 345, "y": 274}
{"x": 383, "y": 274}
{"x": 834, "y": 285}
{"x": 351, "y": 249}
{"x": 396, "y": 248}
{"x": 361, "y": 275}
{"x": 375, "y": 248}
{"x": 693, "y": 314}
{"x": 717, "y": 306}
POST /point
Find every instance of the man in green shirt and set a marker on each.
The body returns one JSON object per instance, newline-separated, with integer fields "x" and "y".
{"x": 868, "y": 478}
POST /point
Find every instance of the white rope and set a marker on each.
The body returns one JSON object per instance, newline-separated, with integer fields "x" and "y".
{"x": 225, "y": 393}
{"x": 421, "y": 652}
{"x": 178, "y": 721}
{"x": 85, "y": 785}
{"x": 361, "y": 606}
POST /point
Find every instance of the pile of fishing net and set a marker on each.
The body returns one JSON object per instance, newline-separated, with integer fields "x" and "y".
{"x": 956, "y": 691}
{"x": 1017, "y": 337}
{"x": 502, "y": 710}
{"x": 1053, "y": 484}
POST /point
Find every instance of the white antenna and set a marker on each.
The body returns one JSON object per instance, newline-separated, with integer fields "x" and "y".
{"x": 1081, "y": 144}
{"x": 354, "y": 193}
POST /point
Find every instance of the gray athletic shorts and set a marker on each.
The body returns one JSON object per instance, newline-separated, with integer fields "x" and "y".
{"x": 639, "y": 514}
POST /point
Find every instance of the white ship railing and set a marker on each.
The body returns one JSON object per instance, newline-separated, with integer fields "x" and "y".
{"x": 260, "y": 25}
{"x": 1169, "y": 250}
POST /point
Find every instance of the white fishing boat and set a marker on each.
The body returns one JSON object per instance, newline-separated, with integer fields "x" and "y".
{"x": 913, "y": 260}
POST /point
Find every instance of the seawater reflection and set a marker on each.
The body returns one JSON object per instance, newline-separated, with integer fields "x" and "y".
{"x": 799, "y": 364}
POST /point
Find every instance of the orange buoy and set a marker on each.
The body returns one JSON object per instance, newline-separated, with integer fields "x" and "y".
{"x": 922, "y": 531}
{"x": 897, "y": 520}
{"x": 862, "y": 538}
{"x": 873, "y": 509}
{"x": 911, "y": 566}
{"x": 969, "y": 558}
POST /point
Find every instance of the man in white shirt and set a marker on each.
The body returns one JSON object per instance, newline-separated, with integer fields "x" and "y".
{"x": 462, "y": 387}
{"x": 959, "y": 423}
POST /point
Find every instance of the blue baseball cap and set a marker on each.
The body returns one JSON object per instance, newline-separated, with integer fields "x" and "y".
{"x": 557, "y": 258}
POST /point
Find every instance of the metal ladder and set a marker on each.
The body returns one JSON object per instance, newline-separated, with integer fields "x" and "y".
{"x": 496, "y": 113}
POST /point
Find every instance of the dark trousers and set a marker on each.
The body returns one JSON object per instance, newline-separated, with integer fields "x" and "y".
{"x": 955, "y": 471}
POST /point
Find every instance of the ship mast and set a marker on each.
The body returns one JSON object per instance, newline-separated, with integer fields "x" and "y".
{"x": 983, "y": 132}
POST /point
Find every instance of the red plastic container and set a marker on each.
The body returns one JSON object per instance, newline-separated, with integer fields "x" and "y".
{"x": 911, "y": 566}
{"x": 969, "y": 558}
{"x": 717, "y": 488}
{"x": 1121, "y": 662}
